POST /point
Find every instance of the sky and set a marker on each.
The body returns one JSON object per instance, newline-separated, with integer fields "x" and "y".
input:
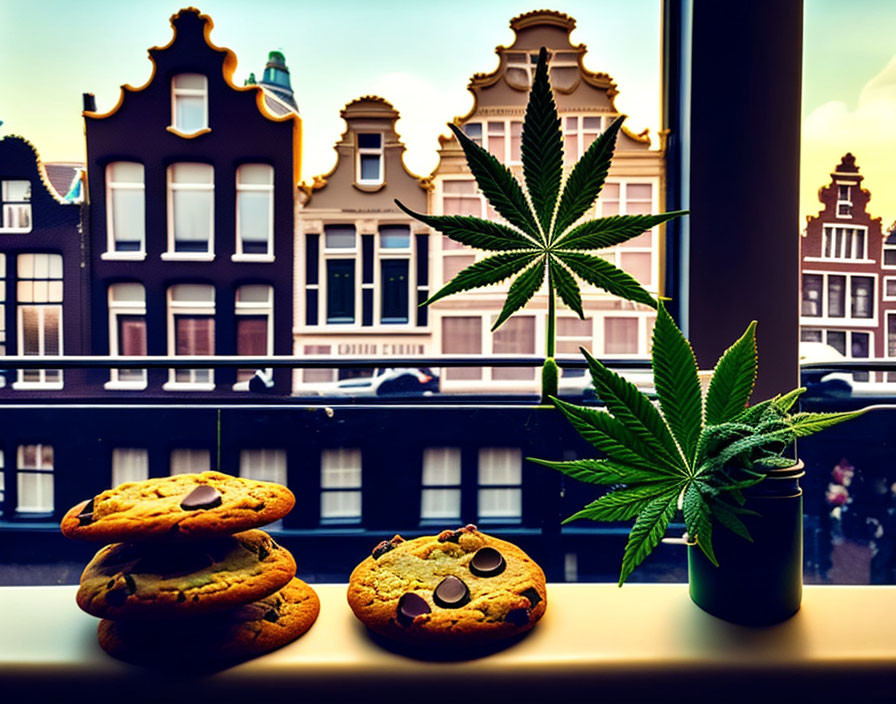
{"x": 420, "y": 56}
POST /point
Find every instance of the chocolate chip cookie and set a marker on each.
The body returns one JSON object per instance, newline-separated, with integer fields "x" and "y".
{"x": 457, "y": 587}
{"x": 155, "y": 580}
{"x": 180, "y": 507}
{"x": 234, "y": 635}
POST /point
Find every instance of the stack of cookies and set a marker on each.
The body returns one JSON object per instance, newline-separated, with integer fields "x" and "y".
{"x": 187, "y": 576}
{"x": 458, "y": 588}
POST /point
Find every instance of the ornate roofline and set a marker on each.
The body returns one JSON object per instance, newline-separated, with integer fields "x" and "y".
{"x": 228, "y": 67}
{"x": 319, "y": 181}
{"x": 41, "y": 169}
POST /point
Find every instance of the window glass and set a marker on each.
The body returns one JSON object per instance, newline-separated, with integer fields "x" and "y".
{"x": 500, "y": 477}
{"x": 395, "y": 236}
{"x": 129, "y": 465}
{"x": 394, "y": 286}
{"x": 190, "y": 101}
{"x": 255, "y": 208}
{"x": 340, "y": 484}
{"x": 515, "y": 336}
{"x": 35, "y": 479}
{"x": 462, "y": 335}
{"x": 39, "y": 293}
{"x": 341, "y": 291}
{"x": 440, "y": 497}
{"x": 15, "y": 199}
{"x": 264, "y": 465}
{"x": 339, "y": 236}
{"x": 191, "y": 199}
{"x": 620, "y": 336}
{"x": 126, "y": 206}
{"x": 184, "y": 461}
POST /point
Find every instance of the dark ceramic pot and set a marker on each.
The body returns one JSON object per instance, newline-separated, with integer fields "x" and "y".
{"x": 756, "y": 583}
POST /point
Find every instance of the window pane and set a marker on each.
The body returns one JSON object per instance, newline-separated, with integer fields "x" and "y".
{"x": 254, "y": 293}
{"x": 190, "y": 113}
{"x": 500, "y": 466}
{"x": 255, "y": 220}
{"x": 129, "y": 465}
{"x": 264, "y": 465}
{"x": 836, "y": 296}
{"x": 515, "y": 336}
{"x": 340, "y": 291}
{"x": 473, "y": 130}
{"x": 17, "y": 191}
{"x": 125, "y": 172}
{"x": 440, "y": 503}
{"x": 621, "y": 336}
{"x": 194, "y": 335}
{"x": 192, "y": 293}
{"x": 186, "y": 173}
{"x": 638, "y": 264}
{"x": 255, "y": 174}
{"x": 370, "y": 167}
{"x": 340, "y": 468}
{"x": 128, "y": 219}
{"x": 462, "y": 335}
{"x": 192, "y": 220}
{"x": 394, "y": 287}
{"x": 370, "y": 140}
{"x": 131, "y": 336}
{"x": 35, "y": 492}
{"x": 441, "y": 466}
{"x": 190, "y": 81}
{"x": 395, "y": 236}
{"x": 340, "y": 504}
{"x": 860, "y": 344}
{"x": 573, "y": 327}
{"x": 252, "y": 335}
{"x": 339, "y": 236}
{"x": 837, "y": 340}
{"x": 811, "y": 305}
{"x": 190, "y": 461}
{"x": 459, "y": 187}
{"x": 516, "y": 141}
{"x": 500, "y": 503}
{"x": 452, "y": 266}
{"x": 862, "y": 288}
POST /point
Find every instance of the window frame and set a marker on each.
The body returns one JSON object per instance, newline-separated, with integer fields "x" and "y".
{"x": 239, "y": 254}
{"x": 455, "y": 487}
{"x": 826, "y": 320}
{"x": 48, "y": 379}
{"x": 122, "y": 308}
{"x": 171, "y": 186}
{"x": 254, "y": 309}
{"x": 192, "y": 308}
{"x": 507, "y": 134}
{"x": 112, "y": 253}
{"x": 370, "y": 151}
{"x": 189, "y": 92}
{"x": 509, "y": 519}
{"x": 39, "y": 470}
{"x": 341, "y": 454}
{"x": 8, "y": 205}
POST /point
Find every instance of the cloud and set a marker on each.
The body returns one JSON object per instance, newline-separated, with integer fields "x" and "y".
{"x": 832, "y": 129}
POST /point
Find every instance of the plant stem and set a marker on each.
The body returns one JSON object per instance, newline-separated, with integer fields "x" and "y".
{"x": 550, "y": 372}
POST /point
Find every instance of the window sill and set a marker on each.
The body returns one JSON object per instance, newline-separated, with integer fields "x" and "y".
{"x": 188, "y": 135}
{"x": 638, "y": 643}
{"x": 259, "y": 258}
{"x": 38, "y": 385}
{"x": 187, "y": 257}
{"x": 124, "y": 385}
{"x": 187, "y": 386}
{"x": 838, "y": 322}
{"x": 14, "y": 230}
{"x": 123, "y": 256}
{"x": 832, "y": 260}
{"x": 369, "y": 187}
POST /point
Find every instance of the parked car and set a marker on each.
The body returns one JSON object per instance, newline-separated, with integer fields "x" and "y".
{"x": 823, "y": 382}
{"x": 380, "y": 382}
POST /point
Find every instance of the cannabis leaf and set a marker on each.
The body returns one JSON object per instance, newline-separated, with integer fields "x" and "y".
{"x": 691, "y": 455}
{"x": 541, "y": 241}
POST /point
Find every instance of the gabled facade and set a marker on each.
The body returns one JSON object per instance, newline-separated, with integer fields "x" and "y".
{"x": 191, "y": 188}
{"x": 635, "y": 185}
{"x": 363, "y": 264}
{"x": 848, "y": 298}
{"x": 40, "y": 270}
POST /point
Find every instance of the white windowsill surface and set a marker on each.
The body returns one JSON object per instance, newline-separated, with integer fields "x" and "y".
{"x": 188, "y": 386}
{"x": 595, "y": 643}
{"x": 258, "y": 258}
{"x": 124, "y": 385}
{"x": 123, "y": 256}
{"x": 187, "y": 257}
{"x": 38, "y": 385}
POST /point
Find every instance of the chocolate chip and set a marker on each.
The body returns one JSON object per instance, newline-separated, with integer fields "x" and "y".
{"x": 517, "y": 617}
{"x": 386, "y": 546}
{"x": 271, "y": 616}
{"x": 181, "y": 597}
{"x": 451, "y": 593}
{"x": 382, "y": 549}
{"x": 487, "y": 562}
{"x": 202, "y": 497}
{"x": 263, "y": 553}
{"x": 453, "y": 536}
{"x": 86, "y": 515}
{"x": 409, "y": 607}
{"x": 117, "y": 597}
{"x": 129, "y": 581}
{"x": 533, "y": 596}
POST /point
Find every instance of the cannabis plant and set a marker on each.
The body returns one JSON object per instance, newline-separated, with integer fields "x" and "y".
{"x": 543, "y": 238}
{"x": 692, "y": 455}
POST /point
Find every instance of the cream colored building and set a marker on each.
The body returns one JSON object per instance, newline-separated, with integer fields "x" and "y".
{"x": 350, "y": 244}
{"x": 635, "y": 185}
